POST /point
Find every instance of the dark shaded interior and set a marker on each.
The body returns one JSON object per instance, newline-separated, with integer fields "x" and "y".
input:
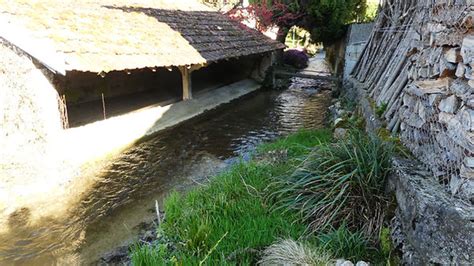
{"x": 125, "y": 92}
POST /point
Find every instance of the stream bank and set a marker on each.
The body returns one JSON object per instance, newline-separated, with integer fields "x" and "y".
{"x": 122, "y": 195}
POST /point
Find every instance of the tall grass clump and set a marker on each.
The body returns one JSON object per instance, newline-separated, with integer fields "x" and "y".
{"x": 342, "y": 243}
{"x": 290, "y": 252}
{"x": 341, "y": 182}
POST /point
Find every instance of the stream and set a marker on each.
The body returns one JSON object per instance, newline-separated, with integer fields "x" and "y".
{"x": 123, "y": 196}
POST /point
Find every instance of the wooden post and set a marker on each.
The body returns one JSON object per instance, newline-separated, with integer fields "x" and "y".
{"x": 187, "y": 84}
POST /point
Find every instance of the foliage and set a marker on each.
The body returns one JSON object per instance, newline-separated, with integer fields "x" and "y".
{"x": 325, "y": 19}
{"x": 296, "y": 58}
{"x": 228, "y": 221}
{"x": 230, "y": 205}
{"x": 143, "y": 255}
{"x": 340, "y": 183}
{"x": 269, "y": 13}
{"x": 290, "y": 252}
{"x": 343, "y": 243}
{"x": 380, "y": 110}
{"x": 329, "y": 18}
{"x": 371, "y": 11}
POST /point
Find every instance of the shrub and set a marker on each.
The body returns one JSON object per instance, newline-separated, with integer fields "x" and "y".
{"x": 296, "y": 58}
{"x": 340, "y": 182}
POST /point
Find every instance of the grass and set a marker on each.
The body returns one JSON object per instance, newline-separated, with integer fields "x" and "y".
{"x": 339, "y": 182}
{"x": 298, "y": 144}
{"x": 228, "y": 221}
{"x": 233, "y": 220}
{"x": 343, "y": 243}
{"x": 231, "y": 211}
{"x": 290, "y": 252}
{"x": 381, "y": 109}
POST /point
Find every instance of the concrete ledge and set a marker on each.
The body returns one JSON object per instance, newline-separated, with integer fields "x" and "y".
{"x": 104, "y": 138}
{"x": 431, "y": 226}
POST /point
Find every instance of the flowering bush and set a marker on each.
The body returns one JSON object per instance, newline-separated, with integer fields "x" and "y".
{"x": 267, "y": 15}
{"x": 296, "y": 58}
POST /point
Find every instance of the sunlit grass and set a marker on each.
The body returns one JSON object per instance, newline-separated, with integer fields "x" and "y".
{"x": 300, "y": 143}
{"x": 233, "y": 220}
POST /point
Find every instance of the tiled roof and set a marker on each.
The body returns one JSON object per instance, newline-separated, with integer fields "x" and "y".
{"x": 106, "y": 35}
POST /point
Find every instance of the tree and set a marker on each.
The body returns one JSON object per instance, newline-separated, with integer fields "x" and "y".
{"x": 325, "y": 19}
{"x": 329, "y": 18}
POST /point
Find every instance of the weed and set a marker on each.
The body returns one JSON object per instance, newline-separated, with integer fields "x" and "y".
{"x": 230, "y": 205}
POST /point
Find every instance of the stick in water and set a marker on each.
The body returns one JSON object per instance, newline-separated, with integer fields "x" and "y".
{"x": 103, "y": 106}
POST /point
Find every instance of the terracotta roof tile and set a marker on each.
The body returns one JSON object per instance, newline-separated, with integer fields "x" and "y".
{"x": 106, "y": 35}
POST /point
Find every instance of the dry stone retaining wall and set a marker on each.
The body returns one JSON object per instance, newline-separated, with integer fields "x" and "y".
{"x": 418, "y": 68}
{"x": 418, "y": 64}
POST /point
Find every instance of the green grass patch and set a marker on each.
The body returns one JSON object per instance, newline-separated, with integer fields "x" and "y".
{"x": 230, "y": 211}
{"x": 298, "y": 144}
{"x": 238, "y": 217}
{"x": 229, "y": 221}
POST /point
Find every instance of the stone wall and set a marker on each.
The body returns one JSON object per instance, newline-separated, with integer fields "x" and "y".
{"x": 417, "y": 68}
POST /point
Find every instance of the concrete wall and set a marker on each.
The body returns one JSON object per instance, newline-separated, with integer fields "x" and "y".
{"x": 357, "y": 37}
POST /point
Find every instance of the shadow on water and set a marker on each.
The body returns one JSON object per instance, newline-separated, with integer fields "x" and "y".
{"x": 178, "y": 158}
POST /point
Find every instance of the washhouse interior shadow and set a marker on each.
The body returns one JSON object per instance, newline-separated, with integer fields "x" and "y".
{"x": 121, "y": 92}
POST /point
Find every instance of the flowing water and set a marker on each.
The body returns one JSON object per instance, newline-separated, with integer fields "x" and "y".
{"x": 123, "y": 196}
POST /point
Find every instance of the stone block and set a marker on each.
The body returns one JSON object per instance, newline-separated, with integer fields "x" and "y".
{"x": 467, "y": 49}
{"x": 466, "y": 118}
{"x": 460, "y": 70}
{"x": 452, "y": 55}
{"x": 449, "y": 105}
{"x": 424, "y": 87}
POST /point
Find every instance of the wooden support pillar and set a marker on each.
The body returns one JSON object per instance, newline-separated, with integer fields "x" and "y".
{"x": 187, "y": 84}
